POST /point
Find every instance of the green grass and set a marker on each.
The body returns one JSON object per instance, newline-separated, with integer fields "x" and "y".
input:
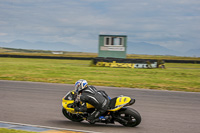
{"x": 179, "y": 77}
{"x": 4, "y": 130}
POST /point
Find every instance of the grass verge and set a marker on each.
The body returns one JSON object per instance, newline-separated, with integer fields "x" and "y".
{"x": 179, "y": 77}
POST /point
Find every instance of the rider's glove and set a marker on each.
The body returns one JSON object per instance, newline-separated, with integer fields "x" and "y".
{"x": 78, "y": 98}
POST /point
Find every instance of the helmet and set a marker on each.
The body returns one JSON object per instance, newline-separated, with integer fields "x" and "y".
{"x": 80, "y": 85}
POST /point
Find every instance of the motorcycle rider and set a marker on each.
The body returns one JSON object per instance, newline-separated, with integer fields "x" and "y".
{"x": 89, "y": 94}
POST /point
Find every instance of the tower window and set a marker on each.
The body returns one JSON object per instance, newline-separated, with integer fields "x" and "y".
{"x": 115, "y": 41}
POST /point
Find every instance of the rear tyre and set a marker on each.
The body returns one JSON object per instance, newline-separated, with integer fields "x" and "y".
{"x": 132, "y": 117}
{"x": 70, "y": 116}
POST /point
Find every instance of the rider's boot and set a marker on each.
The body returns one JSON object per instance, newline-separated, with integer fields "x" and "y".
{"x": 93, "y": 121}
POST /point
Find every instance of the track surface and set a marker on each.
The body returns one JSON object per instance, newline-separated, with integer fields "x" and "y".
{"x": 40, "y": 104}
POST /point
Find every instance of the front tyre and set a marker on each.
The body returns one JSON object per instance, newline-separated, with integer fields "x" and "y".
{"x": 70, "y": 116}
{"x": 131, "y": 116}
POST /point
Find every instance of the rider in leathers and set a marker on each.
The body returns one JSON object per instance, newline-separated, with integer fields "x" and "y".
{"x": 89, "y": 94}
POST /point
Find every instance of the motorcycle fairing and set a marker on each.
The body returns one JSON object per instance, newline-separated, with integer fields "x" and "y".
{"x": 119, "y": 102}
{"x": 115, "y": 103}
{"x": 65, "y": 104}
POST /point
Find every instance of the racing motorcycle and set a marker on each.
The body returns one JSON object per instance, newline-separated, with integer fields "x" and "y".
{"x": 117, "y": 110}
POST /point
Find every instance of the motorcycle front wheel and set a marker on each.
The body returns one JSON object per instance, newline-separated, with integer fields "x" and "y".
{"x": 131, "y": 116}
{"x": 70, "y": 116}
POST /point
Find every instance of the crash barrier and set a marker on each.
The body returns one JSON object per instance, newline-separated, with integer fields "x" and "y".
{"x": 183, "y": 61}
{"x": 100, "y": 59}
{"x": 125, "y": 60}
{"x": 45, "y": 57}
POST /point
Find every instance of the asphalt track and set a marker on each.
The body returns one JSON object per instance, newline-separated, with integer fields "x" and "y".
{"x": 40, "y": 104}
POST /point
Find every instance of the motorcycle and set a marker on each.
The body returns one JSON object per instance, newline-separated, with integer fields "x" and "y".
{"x": 117, "y": 110}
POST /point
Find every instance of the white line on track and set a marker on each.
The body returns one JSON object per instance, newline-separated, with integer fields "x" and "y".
{"x": 48, "y": 127}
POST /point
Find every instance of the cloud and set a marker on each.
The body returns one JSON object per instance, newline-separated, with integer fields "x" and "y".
{"x": 3, "y": 34}
{"x": 169, "y": 23}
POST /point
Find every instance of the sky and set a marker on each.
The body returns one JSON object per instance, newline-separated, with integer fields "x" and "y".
{"x": 174, "y": 24}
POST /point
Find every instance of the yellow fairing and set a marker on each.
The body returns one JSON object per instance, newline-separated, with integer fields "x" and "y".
{"x": 89, "y": 105}
{"x": 71, "y": 110}
{"x": 120, "y": 102}
{"x": 65, "y": 103}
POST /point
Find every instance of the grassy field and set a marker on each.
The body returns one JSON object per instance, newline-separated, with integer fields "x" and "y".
{"x": 4, "y": 130}
{"x": 180, "y": 77}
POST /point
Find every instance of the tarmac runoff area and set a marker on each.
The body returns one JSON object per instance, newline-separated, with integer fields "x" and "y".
{"x": 38, "y": 128}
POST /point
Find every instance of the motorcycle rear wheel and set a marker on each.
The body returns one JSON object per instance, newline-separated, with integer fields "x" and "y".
{"x": 70, "y": 116}
{"x": 130, "y": 115}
